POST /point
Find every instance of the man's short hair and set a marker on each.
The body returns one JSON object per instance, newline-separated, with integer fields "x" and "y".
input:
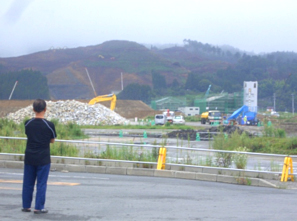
{"x": 39, "y": 105}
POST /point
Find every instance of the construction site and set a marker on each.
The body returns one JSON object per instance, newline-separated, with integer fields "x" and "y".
{"x": 128, "y": 109}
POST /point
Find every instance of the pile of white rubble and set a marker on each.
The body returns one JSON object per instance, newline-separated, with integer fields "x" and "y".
{"x": 72, "y": 111}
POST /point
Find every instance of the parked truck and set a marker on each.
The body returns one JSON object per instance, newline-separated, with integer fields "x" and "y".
{"x": 211, "y": 116}
{"x": 169, "y": 115}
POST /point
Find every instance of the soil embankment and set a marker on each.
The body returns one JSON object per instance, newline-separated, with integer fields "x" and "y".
{"x": 126, "y": 108}
{"x": 205, "y": 134}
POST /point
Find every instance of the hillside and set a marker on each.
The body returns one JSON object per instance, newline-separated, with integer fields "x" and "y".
{"x": 181, "y": 57}
{"x": 67, "y": 78}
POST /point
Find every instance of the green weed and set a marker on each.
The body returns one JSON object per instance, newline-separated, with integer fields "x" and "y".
{"x": 240, "y": 159}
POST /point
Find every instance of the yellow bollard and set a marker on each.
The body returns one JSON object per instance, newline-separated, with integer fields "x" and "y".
{"x": 161, "y": 159}
{"x": 288, "y": 163}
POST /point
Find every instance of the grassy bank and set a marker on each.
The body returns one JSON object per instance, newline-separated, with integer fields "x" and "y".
{"x": 66, "y": 132}
{"x": 274, "y": 141}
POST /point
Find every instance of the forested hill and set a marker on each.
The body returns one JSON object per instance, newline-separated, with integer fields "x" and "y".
{"x": 67, "y": 78}
{"x": 32, "y": 84}
{"x": 154, "y": 72}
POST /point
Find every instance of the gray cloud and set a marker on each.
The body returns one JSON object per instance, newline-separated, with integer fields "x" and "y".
{"x": 16, "y": 10}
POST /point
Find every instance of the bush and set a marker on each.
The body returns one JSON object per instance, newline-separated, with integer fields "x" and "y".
{"x": 192, "y": 118}
{"x": 271, "y": 131}
{"x": 273, "y": 141}
{"x": 223, "y": 159}
{"x": 240, "y": 159}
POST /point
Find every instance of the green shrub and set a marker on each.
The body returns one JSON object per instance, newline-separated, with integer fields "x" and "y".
{"x": 223, "y": 159}
{"x": 240, "y": 159}
{"x": 273, "y": 141}
{"x": 167, "y": 124}
{"x": 192, "y": 118}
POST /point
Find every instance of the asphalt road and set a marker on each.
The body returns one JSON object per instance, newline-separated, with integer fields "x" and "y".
{"x": 83, "y": 196}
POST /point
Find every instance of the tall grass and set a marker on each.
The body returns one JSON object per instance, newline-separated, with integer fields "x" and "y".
{"x": 10, "y": 129}
{"x": 125, "y": 153}
{"x": 274, "y": 140}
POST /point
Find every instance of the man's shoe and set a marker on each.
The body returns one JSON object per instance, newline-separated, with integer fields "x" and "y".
{"x": 26, "y": 210}
{"x": 40, "y": 211}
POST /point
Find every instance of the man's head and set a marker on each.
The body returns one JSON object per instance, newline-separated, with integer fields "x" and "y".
{"x": 39, "y": 105}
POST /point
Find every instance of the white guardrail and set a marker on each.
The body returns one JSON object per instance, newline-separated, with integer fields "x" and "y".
{"x": 261, "y": 162}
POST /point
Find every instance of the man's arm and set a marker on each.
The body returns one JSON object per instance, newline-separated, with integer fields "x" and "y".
{"x": 52, "y": 140}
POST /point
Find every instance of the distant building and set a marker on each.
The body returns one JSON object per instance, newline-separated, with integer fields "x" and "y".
{"x": 190, "y": 111}
{"x": 250, "y": 95}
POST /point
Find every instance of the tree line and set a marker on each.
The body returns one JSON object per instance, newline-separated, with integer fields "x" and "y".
{"x": 31, "y": 85}
{"x": 276, "y": 73}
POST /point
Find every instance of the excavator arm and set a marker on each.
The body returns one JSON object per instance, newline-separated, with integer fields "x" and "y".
{"x": 107, "y": 97}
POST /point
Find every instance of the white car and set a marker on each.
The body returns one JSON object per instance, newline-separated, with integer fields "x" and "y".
{"x": 160, "y": 119}
{"x": 178, "y": 120}
{"x": 274, "y": 113}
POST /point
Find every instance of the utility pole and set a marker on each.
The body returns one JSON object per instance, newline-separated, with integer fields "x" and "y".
{"x": 15, "y": 84}
{"x": 122, "y": 83}
{"x": 274, "y": 109}
{"x": 293, "y": 104}
{"x": 91, "y": 82}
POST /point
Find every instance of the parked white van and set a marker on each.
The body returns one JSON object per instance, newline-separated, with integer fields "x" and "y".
{"x": 160, "y": 119}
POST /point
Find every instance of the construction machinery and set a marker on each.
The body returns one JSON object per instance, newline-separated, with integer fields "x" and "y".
{"x": 108, "y": 97}
{"x": 243, "y": 112}
{"x": 169, "y": 115}
{"x": 211, "y": 116}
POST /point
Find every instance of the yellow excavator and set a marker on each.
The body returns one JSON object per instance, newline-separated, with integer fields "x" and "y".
{"x": 108, "y": 97}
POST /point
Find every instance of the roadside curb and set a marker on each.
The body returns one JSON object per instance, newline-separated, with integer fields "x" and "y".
{"x": 16, "y": 162}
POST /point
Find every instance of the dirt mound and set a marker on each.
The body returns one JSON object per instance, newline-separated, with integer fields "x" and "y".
{"x": 130, "y": 108}
{"x": 11, "y": 106}
{"x": 72, "y": 111}
{"x": 204, "y": 134}
{"x": 133, "y": 108}
{"x": 126, "y": 108}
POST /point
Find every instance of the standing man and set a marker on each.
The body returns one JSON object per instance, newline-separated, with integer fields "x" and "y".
{"x": 40, "y": 134}
{"x": 245, "y": 119}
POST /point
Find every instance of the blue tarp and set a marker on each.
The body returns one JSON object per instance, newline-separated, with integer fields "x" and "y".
{"x": 236, "y": 113}
{"x": 250, "y": 115}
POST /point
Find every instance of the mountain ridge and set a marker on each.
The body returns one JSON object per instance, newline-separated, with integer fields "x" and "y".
{"x": 66, "y": 74}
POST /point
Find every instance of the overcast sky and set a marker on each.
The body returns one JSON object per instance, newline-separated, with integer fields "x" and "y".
{"x": 28, "y": 26}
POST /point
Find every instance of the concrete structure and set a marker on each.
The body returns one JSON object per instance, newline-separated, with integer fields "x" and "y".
{"x": 179, "y": 171}
{"x": 250, "y": 95}
{"x": 190, "y": 111}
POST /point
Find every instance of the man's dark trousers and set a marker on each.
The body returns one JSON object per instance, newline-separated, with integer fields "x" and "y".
{"x": 31, "y": 173}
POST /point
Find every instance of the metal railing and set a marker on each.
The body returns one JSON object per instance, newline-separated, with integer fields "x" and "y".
{"x": 183, "y": 156}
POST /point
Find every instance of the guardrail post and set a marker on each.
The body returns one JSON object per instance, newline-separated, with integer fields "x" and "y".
{"x": 161, "y": 159}
{"x": 226, "y": 136}
{"x": 288, "y": 163}
{"x": 197, "y": 137}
